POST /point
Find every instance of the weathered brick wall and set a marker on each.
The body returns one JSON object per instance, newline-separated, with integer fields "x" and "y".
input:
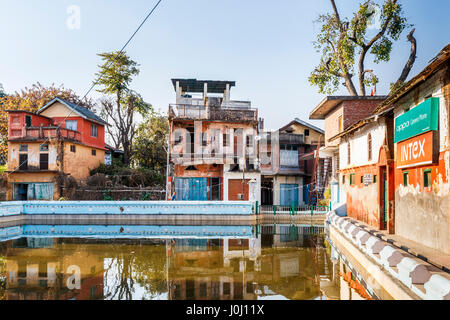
{"x": 351, "y": 112}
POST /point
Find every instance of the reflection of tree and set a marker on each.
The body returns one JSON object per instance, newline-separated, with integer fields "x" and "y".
{"x": 125, "y": 269}
{"x": 2, "y": 278}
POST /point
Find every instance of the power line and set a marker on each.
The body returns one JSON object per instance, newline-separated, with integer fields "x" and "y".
{"x": 101, "y": 75}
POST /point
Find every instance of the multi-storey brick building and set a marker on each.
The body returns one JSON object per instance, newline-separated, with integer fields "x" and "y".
{"x": 285, "y": 174}
{"x": 60, "y": 138}
{"x": 213, "y": 152}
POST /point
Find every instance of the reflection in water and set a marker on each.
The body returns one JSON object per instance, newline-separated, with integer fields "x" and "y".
{"x": 275, "y": 262}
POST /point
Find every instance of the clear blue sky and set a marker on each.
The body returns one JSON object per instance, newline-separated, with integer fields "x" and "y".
{"x": 265, "y": 46}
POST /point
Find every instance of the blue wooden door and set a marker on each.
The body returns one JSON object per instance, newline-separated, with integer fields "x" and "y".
{"x": 190, "y": 189}
{"x": 306, "y": 193}
{"x": 288, "y": 194}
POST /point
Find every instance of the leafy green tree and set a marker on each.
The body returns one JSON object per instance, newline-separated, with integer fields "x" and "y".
{"x": 345, "y": 44}
{"x": 2, "y": 92}
{"x": 150, "y": 148}
{"x": 115, "y": 76}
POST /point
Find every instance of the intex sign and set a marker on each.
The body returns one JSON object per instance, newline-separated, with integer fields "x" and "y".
{"x": 418, "y": 120}
{"x": 416, "y": 151}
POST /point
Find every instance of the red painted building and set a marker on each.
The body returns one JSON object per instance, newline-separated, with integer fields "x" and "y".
{"x": 60, "y": 138}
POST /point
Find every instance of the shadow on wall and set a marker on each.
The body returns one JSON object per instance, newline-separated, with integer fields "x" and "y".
{"x": 341, "y": 211}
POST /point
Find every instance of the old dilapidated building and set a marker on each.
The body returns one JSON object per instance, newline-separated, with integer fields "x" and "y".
{"x": 213, "y": 149}
{"x": 339, "y": 113}
{"x": 420, "y": 149}
{"x": 60, "y": 140}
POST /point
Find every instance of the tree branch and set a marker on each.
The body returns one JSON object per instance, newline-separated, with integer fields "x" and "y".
{"x": 412, "y": 58}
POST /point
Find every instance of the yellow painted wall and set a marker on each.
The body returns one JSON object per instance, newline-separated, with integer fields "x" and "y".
{"x": 33, "y": 155}
{"x": 58, "y": 110}
{"x": 79, "y": 163}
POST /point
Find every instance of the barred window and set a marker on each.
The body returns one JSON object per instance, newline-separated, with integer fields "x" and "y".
{"x": 369, "y": 147}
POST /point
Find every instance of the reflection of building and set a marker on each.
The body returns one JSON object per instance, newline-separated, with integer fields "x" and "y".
{"x": 43, "y": 269}
{"x": 289, "y": 264}
{"x": 221, "y": 269}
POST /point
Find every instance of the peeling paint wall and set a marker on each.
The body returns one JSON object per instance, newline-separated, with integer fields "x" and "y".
{"x": 422, "y": 213}
{"x": 365, "y": 198}
{"x": 79, "y": 163}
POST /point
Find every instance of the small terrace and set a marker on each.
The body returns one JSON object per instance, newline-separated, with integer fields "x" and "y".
{"x": 235, "y": 111}
{"x": 40, "y": 133}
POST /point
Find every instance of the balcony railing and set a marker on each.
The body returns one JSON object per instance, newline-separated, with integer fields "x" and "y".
{"x": 234, "y": 114}
{"x": 38, "y": 133}
{"x": 291, "y": 138}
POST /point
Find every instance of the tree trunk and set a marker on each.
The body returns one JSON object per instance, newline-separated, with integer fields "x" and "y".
{"x": 412, "y": 58}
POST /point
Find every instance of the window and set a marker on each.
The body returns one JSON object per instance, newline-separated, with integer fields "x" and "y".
{"x": 362, "y": 179}
{"x": 340, "y": 124}
{"x": 43, "y": 161}
{"x": 71, "y": 125}
{"x": 73, "y": 148}
{"x": 249, "y": 141}
{"x": 43, "y": 148}
{"x": 226, "y": 288}
{"x": 226, "y": 140}
{"x": 27, "y": 121}
{"x": 343, "y": 179}
{"x": 352, "y": 179}
{"x": 405, "y": 178}
{"x": 204, "y": 139}
{"x": 348, "y": 153}
{"x": 23, "y": 147}
{"x": 94, "y": 152}
{"x": 374, "y": 178}
{"x": 369, "y": 147}
{"x": 23, "y": 161}
{"x": 94, "y": 130}
{"x": 178, "y": 137}
{"x": 306, "y": 132}
{"x": 427, "y": 178}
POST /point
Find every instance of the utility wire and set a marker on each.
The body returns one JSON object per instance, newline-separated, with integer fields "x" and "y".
{"x": 101, "y": 75}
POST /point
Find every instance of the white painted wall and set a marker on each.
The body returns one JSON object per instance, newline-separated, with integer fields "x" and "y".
{"x": 359, "y": 145}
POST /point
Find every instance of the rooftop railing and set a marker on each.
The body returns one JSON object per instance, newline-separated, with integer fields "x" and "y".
{"x": 223, "y": 113}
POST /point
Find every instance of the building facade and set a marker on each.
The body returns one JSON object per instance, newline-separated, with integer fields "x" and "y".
{"x": 421, "y": 153}
{"x": 366, "y": 171}
{"x": 59, "y": 139}
{"x": 339, "y": 113}
{"x": 285, "y": 174}
{"x": 213, "y": 148}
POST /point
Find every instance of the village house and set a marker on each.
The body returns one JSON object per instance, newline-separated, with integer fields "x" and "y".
{"x": 285, "y": 175}
{"x": 366, "y": 171}
{"x": 339, "y": 113}
{"x": 61, "y": 138}
{"x": 421, "y": 153}
{"x": 213, "y": 153}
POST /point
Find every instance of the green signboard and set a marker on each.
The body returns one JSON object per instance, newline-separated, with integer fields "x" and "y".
{"x": 423, "y": 118}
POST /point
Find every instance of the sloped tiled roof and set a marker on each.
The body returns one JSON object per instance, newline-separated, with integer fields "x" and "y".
{"x": 82, "y": 111}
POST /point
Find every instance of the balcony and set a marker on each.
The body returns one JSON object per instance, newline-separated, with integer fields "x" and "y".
{"x": 40, "y": 133}
{"x": 227, "y": 112}
{"x": 291, "y": 138}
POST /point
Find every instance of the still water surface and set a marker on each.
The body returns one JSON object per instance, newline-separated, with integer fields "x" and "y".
{"x": 166, "y": 262}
